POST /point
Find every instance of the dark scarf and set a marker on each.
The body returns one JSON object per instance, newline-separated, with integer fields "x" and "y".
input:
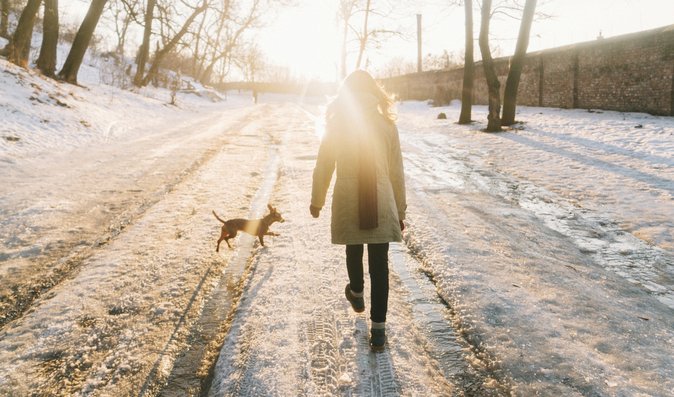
{"x": 367, "y": 185}
{"x": 356, "y": 113}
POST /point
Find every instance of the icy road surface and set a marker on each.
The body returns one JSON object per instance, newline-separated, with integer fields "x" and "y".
{"x": 536, "y": 261}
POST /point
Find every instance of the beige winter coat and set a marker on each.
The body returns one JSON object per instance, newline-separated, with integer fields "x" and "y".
{"x": 339, "y": 151}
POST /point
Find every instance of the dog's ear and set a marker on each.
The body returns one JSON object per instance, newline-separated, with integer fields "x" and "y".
{"x": 270, "y": 208}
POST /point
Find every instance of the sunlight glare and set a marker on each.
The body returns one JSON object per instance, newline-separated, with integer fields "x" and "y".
{"x": 305, "y": 40}
{"x": 319, "y": 123}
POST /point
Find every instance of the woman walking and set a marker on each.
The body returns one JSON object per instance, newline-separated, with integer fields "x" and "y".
{"x": 361, "y": 143}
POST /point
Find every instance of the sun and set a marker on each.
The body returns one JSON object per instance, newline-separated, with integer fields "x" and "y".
{"x": 305, "y": 39}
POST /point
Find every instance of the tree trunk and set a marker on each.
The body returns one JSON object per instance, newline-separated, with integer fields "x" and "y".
{"x": 516, "y": 64}
{"x": 206, "y": 70}
{"x": 493, "y": 85}
{"x": 46, "y": 62}
{"x": 4, "y": 18}
{"x": 342, "y": 54}
{"x": 224, "y": 57}
{"x": 159, "y": 56}
{"x": 74, "y": 60}
{"x": 121, "y": 37}
{"x": 144, "y": 51}
{"x": 468, "y": 69}
{"x": 19, "y": 46}
{"x": 346, "y": 8}
{"x": 363, "y": 39}
{"x": 205, "y": 75}
{"x": 197, "y": 64}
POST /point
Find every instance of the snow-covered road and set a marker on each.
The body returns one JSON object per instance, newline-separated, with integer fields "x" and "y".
{"x": 295, "y": 334}
{"x": 542, "y": 248}
{"x": 536, "y": 262}
{"x": 63, "y": 205}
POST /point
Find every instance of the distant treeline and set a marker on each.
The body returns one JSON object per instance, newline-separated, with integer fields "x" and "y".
{"x": 312, "y": 88}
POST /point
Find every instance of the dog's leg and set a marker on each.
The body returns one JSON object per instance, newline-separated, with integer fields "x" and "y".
{"x": 230, "y": 234}
{"x": 223, "y": 235}
{"x": 271, "y": 234}
{"x": 261, "y": 237}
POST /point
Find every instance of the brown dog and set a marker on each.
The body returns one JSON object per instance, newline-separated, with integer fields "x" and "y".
{"x": 255, "y": 227}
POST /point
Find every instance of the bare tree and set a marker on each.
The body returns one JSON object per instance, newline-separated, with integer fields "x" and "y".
{"x": 251, "y": 62}
{"x": 493, "y": 85}
{"x": 123, "y": 12}
{"x": 372, "y": 36}
{"x": 363, "y": 32}
{"x": 198, "y": 57}
{"x": 198, "y": 40}
{"x": 396, "y": 66}
{"x": 442, "y": 61}
{"x": 468, "y": 69}
{"x": 46, "y": 61}
{"x": 144, "y": 51}
{"x": 4, "y": 18}
{"x": 74, "y": 60}
{"x": 517, "y": 63}
{"x": 345, "y": 12}
{"x": 229, "y": 31}
{"x": 275, "y": 73}
{"x": 171, "y": 43}
{"x": 211, "y": 35}
{"x": 18, "y": 49}
{"x": 363, "y": 35}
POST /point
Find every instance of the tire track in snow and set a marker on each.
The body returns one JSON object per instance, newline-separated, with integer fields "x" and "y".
{"x": 193, "y": 372}
{"x": 322, "y": 340}
{"x": 444, "y": 341}
{"x": 517, "y": 272}
{"x": 62, "y": 259}
{"x": 379, "y": 377}
{"x": 240, "y": 366}
{"x": 384, "y": 383}
{"x": 317, "y": 345}
{"x": 150, "y": 284}
{"x": 604, "y": 239}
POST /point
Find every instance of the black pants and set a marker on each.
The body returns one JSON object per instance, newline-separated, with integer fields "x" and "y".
{"x": 377, "y": 255}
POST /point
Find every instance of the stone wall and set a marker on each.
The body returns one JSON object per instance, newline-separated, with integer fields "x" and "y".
{"x": 630, "y": 73}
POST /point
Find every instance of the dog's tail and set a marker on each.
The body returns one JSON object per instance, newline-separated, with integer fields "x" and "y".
{"x": 218, "y": 218}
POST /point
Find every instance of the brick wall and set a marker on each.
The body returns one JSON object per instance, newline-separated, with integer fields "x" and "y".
{"x": 631, "y": 73}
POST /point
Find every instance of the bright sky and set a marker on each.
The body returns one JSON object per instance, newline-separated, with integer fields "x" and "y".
{"x": 306, "y": 38}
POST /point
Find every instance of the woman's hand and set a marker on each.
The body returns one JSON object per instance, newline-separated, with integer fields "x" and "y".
{"x": 315, "y": 211}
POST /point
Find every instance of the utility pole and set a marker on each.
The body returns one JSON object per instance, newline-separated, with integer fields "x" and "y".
{"x": 419, "y": 43}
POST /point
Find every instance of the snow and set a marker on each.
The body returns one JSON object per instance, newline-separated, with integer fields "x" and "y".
{"x": 537, "y": 261}
{"x": 561, "y": 242}
{"x": 93, "y": 111}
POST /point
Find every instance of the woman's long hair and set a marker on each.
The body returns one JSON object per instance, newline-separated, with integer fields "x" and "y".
{"x": 360, "y": 82}
{"x": 355, "y": 102}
